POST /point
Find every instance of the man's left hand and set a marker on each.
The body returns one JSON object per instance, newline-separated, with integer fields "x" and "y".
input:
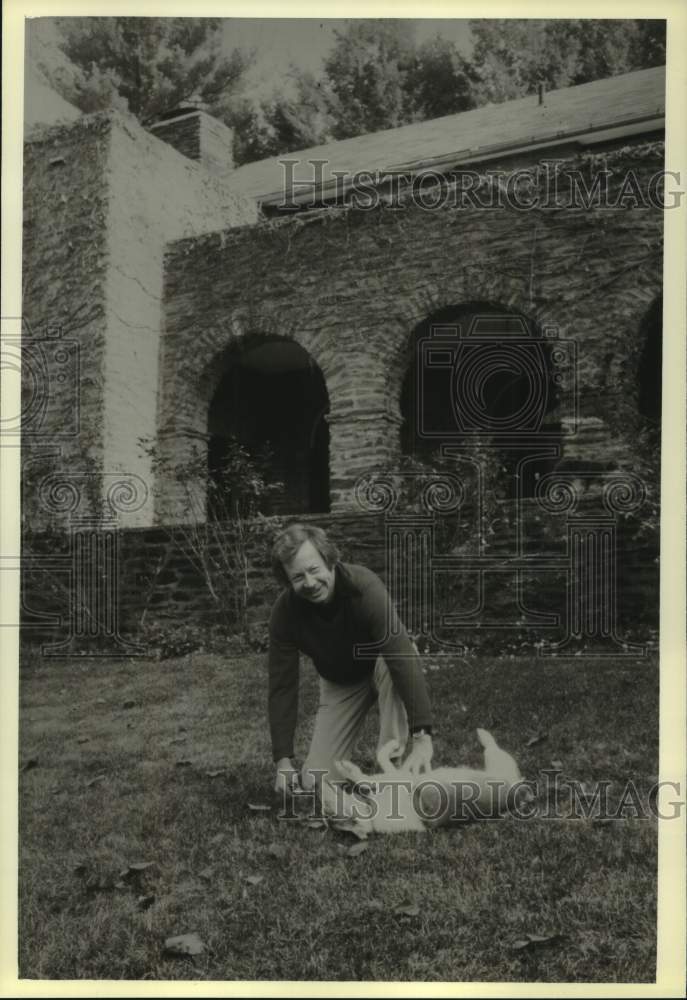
{"x": 420, "y": 757}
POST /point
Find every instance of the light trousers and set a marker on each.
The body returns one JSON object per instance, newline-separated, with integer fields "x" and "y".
{"x": 340, "y": 717}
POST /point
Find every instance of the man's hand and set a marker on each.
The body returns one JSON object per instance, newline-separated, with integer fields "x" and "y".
{"x": 287, "y": 781}
{"x": 420, "y": 757}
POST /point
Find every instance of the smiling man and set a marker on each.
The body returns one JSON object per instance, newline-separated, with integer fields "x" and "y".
{"x": 328, "y": 610}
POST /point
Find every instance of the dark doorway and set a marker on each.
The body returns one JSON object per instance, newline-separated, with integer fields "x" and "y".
{"x": 650, "y": 369}
{"x": 478, "y": 370}
{"x": 269, "y": 413}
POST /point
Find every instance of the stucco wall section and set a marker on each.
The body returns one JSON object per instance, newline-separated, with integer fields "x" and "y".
{"x": 156, "y": 195}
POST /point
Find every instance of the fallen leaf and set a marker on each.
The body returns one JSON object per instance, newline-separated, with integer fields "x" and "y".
{"x": 375, "y": 904}
{"x": 130, "y": 703}
{"x": 557, "y": 764}
{"x": 254, "y": 879}
{"x": 206, "y": 874}
{"x": 258, "y": 807}
{"x": 184, "y": 944}
{"x": 80, "y": 868}
{"x": 534, "y": 740}
{"x": 531, "y": 940}
{"x": 30, "y": 764}
{"x": 145, "y": 901}
{"x": 84, "y": 739}
{"x": 177, "y": 740}
{"x": 140, "y": 866}
{"x": 316, "y": 824}
{"x": 100, "y": 701}
{"x": 120, "y": 885}
{"x": 214, "y": 774}
{"x": 357, "y": 849}
{"x": 278, "y": 851}
{"x": 408, "y": 911}
{"x": 218, "y": 838}
{"x": 94, "y": 781}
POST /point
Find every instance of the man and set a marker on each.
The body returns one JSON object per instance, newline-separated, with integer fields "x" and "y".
{"x": 328, "y": 610}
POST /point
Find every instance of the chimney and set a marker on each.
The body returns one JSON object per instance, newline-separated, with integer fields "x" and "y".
{"x": 198, "y": 135}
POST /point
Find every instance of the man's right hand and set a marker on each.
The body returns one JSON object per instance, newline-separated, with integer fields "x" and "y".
{"x": 288, "y": 778}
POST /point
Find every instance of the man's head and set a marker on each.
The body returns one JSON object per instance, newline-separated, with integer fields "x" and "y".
{"x": 304, "y": 559}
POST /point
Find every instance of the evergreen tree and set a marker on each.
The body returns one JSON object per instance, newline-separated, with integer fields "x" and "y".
{"x": 150, "y": 64}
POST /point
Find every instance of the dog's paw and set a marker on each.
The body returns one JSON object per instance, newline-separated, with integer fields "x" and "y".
{"x": 391, "y": 751}
{"x": 349, "y": 771}
{"x": 486, "y": 739}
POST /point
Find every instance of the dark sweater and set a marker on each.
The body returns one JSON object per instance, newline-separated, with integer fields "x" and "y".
{"x": 360, "y": 612}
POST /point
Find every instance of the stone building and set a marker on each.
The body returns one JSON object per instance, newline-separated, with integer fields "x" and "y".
{"x": 489, "y": 280}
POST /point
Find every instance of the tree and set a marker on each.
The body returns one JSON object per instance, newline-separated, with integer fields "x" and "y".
{"x": 374, "y": 77}
{"x": 366, "y": 71}
{"x": 305, "y": 119}
{"x": 511, "y": 57}
{"x": 439, "y": 81}
{"x": 148, "y": 64}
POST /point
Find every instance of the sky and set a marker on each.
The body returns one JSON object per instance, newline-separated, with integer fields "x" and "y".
{"x": 304, "y": 42}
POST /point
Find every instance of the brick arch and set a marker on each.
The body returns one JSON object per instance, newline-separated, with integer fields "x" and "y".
{"x": 187, "y": 391}
{"x": 642, "y": 332}
{"x": 495, "y": 293}
{"x": 248, "y": 330}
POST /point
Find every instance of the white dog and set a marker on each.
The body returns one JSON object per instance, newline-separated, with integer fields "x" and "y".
{"x": 395, "y": 800}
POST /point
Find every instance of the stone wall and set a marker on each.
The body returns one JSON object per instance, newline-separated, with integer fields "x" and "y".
{"x": 350, "y": 286}
{"x": 158, "y": 582}
{"x": 65, "y": 265}
{"x": 200, "y": 137}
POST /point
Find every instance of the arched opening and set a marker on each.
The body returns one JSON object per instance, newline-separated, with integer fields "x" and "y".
{"x": 479, "y": 372}
{"x": 649, "y": 373}
{"x": 267, "y": 423}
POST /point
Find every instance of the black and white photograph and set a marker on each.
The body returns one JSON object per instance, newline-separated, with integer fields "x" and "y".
{"x": 343, "y": 361}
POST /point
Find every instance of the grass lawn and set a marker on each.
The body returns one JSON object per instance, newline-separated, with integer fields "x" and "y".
{"x": 277, "y": 899}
